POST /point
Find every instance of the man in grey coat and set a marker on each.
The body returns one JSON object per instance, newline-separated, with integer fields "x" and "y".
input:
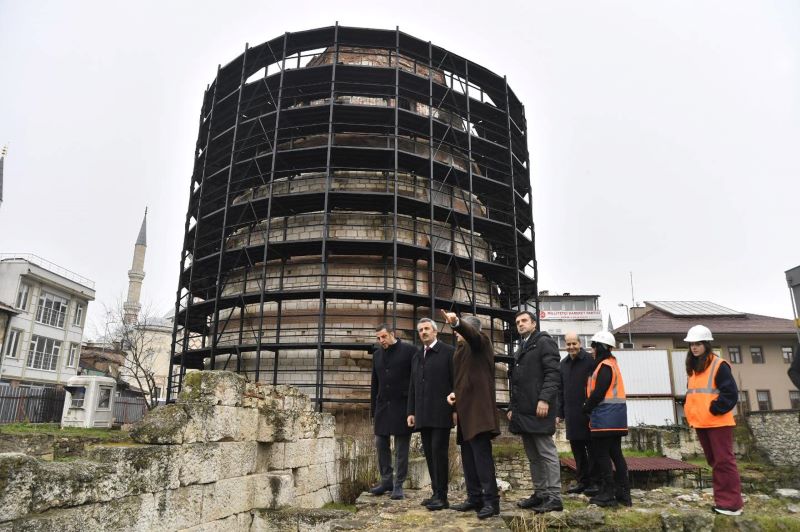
{"x": 535, "y": 378}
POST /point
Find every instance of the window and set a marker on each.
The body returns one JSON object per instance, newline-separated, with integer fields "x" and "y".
{"x": 43, "y": 353}
{"x": 52, "y": 310}
{"x": 157, "y": 392}
{"x": 74, "y": 354}
{"x": 22, "y": 296}
{"x": 12, "y": 343}
{"x": 77, "y": 395}
{"x": 743, "y": 405}
{"x": 586, "y": 340}
{"x": 78, "y": 321}
{"x": 764, "y": 400}
{"x": 734, "y": 354}
{"x": 794, "y": 399}
{"x": 788, "y": 354}
{"x": 104, "y": 398}
{"x": 757, "y": 355}
{"x": 560, "y": 340}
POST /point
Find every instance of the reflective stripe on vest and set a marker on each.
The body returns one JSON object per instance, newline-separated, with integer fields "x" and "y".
{"x": 699, "y": 396}
{"x": 612, "y": 412}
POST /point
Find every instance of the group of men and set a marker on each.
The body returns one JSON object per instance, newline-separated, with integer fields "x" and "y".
{"x": 434, "y": 387}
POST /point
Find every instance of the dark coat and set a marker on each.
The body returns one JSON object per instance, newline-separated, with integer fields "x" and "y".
{"x": 431, "y": 383}
{"x": 572, "y": 394}
{"x": 391, "y": 374}
{"x": 473, "y": 372}
{"x": 534, "y": 377}
{"x": 794, "y": 368}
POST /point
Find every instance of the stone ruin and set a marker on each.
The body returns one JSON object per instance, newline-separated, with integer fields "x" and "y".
{"x": 229, "y": 455}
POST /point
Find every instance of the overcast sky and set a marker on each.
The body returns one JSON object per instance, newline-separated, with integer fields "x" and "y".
{"x": 664, "y": 136}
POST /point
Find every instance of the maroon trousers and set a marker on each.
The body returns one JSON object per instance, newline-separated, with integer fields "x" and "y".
{"x": 717, "y": 445}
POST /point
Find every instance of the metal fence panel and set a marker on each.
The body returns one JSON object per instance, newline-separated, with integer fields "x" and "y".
{"x": 129, "y": 409}
{"x": 18, "y": 405}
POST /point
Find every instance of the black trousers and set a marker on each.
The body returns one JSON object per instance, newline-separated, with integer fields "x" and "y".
{"x": 389, "y": 476}
{"x": 479, "y": 475}
{"x": 584, "y": 462}
{"x": 608, "y": 449}
{"x": 436, "y": 444}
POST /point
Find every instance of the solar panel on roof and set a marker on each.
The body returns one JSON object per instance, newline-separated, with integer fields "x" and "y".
{"x": 693, "y": 308}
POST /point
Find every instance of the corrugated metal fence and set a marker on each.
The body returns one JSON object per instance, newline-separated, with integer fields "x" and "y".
{"x": 30, "y": 405}
{"x": 129, "y": 409}
{"x": 38, "y": 405}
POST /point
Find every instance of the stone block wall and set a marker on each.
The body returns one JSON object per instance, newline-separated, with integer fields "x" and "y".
{"x": 225, "y": 452}
{"x": 777, "y": 435}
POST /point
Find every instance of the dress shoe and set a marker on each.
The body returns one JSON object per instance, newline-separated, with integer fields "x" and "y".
{"x": 604, "y": 498}
{"x": 380, "y": 489}
{"x": 530, "y": 502}
{"x": 397, "y": 493}
{"x": 591, "y": 491}
{"x": 577, "y": 488}
{"x": 488, "y": 511}
{"x": 437, "y": 504}
{"x": 466, "y": 506}
{"x": 550, "y": 504}
{"x": 623, "y": 497}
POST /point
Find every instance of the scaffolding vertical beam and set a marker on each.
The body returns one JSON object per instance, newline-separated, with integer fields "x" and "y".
{"x": 182, "y": 369}
{"x": 396, "y": 177}
{"x": 323, "y": 282}
{"x": 431, "y": 215}
{"x": 471, "y": 192}
{"x": 268, "y": 225}
{"x": 223, "y": 233}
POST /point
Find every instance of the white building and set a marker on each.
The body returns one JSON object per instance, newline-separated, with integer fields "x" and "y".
{"x": 560, "y": 314}
{"x": 42, "y": 341}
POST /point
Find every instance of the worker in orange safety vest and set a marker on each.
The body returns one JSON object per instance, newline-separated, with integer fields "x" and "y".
{"x": 711, "y": 396}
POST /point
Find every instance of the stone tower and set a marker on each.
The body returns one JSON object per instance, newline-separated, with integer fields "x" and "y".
{"x": 136, "y": 275}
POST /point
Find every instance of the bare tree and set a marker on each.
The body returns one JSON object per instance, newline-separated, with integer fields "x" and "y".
{"x": 139, "y": 339}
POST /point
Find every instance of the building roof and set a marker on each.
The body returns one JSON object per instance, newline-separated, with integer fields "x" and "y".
{"x": 658, "y": 321}
{"x": 8, "y": 308}
{"x": 49, "y": 266}
{"x": 693, "y": 308}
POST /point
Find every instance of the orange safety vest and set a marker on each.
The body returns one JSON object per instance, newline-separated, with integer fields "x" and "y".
{"x": 700, "y": 392}
{"x": 612, "y": 412}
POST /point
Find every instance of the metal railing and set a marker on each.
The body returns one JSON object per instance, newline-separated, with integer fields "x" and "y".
{"x": 27, "y": 405}
{"x": 49, "y": 266}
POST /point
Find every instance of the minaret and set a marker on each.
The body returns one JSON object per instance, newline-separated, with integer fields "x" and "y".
{"x": 136, "y": 275}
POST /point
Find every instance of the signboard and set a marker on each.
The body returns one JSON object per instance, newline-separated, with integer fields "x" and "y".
{"x": 570, "y": 315}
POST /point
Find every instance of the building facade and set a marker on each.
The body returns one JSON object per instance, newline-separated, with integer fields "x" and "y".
{"x": 346, "y": 177}
{"x": 42, "y": 341}
{"x": 560, "y": 314}
{"x": 759, "y": 348}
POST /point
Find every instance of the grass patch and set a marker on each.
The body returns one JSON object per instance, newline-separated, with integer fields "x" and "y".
{"x": 53, "y": 429}
{"x": 632, "y": 520}
{"x": 340, "y": 506}
{"x": 508, "y": 450}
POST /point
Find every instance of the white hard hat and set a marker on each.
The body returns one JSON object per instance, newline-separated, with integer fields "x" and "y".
{"x": 698, "y": 333}
{"x": 604, "y": 337}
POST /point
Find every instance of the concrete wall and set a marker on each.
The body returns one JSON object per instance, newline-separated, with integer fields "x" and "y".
{"x": 213, "y": 461}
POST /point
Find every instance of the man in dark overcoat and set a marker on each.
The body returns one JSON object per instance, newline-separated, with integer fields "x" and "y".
{"x": 476, "y": 413}
{"x": 391, "y": 374}
{"x": 576, "y": 368}
{"x": 428, "y": 411}
{"x": 534, "y": 380}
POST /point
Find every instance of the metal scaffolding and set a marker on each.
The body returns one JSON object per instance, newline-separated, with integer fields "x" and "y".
{"x": 346, "y": 177}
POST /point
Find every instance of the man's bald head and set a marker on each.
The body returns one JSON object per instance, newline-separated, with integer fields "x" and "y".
{"x": 573, "y": 344}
